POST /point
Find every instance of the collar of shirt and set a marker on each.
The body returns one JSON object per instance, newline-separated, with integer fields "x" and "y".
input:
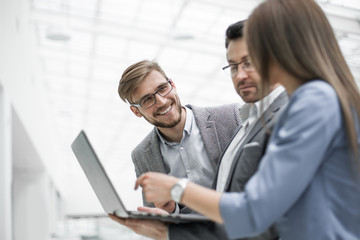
{"x": 266, "y": 101}
{"x": 187, "y": 128}
{"x": 252, "y": 110}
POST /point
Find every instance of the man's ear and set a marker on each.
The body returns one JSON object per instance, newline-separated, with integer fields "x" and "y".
{"x": 136, "y": 111}
{"x": 172, "y": 83}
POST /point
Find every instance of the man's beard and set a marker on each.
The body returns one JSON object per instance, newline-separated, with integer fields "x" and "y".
{"x": 171, "y": 124}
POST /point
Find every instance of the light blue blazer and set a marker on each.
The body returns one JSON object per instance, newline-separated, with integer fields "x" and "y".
{"x": 307, "y": 183}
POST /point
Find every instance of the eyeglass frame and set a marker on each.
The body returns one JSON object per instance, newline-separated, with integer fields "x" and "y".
{"x": 243, "y": 66}
{"x": 154, "y": 95}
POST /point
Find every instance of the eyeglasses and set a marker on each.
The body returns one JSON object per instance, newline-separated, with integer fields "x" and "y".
{"x": 149, "y": 100}
{"x": 233, "y": 68}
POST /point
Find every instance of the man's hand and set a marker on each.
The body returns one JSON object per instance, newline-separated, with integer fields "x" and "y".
{"x": 156, "y": 186}
{"x": 152, "y": 210}
{"x": 167, "y": 206}
{"x": 148, "y": 228}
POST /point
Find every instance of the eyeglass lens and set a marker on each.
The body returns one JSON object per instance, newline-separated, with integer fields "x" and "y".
{"x": 233, "y": 69}
{"x": 150, "y": 100}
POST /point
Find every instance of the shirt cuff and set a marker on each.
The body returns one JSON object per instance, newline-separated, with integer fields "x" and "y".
{"x": 177, "y": 209}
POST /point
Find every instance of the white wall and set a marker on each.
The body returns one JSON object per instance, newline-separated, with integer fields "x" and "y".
{"x": 18, "y": 75}
{"x": 5, "y": 168}
{"x": 36, "y": 210}
{"x": 29, "y": 204}
{"x": 31, "y": 208}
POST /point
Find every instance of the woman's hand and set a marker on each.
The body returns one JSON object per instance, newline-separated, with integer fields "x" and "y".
{"x": 156, "y": 187}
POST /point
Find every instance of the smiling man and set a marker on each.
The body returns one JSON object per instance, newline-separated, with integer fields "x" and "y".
{"x": 187, "y": 141}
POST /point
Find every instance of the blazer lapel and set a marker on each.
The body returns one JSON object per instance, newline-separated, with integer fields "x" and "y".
{"x": 262, "y": 122}
{"x": 154, "y": 159}
{"x": 208, "y": 134}
{"x": 218, "y": 165}
{"x": 253, "y": 132}
{"x": 211, "y": 142}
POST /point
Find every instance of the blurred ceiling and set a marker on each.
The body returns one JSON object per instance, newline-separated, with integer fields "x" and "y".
{"x": 83, "y": 47}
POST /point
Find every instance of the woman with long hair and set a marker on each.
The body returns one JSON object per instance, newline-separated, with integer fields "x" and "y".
{"x": 308, "y": 182}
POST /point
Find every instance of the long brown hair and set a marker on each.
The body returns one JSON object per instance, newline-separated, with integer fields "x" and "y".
{"x": 297, "y": 36}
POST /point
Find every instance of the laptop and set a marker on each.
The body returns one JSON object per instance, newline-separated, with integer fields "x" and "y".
{"x": 105, "y": 191}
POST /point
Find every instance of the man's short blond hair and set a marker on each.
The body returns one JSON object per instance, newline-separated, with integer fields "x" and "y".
{"x": 134, "y": 75}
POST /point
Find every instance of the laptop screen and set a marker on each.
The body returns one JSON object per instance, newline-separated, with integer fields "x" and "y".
{"x": 97, "y": 176}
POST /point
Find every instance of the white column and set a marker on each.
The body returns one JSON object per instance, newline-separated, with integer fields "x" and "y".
{"x": 6, "y": 229}
{"x": 31, "y": 205}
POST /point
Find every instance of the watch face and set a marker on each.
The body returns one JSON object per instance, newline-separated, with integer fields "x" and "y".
{"x": 176, "y": 192}
{"x": 178, "y": 189}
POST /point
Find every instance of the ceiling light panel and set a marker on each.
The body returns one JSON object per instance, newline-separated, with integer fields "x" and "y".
{"x": 238, "y": 5}
{"x": 157, "y": 13}
{"x": 84, "y": 8}
{"x": 129, "y": 33}
{"x": 227, "y": 17}
{"x": 339, "y": 10}
{"x": 197, "y": 19}
{"x": 121, "y": 11}
{"x": 52, "y": 5}
{"x": 138, "y": 51}
{"x": 351, "y": 4}
{"x": 110, "y": 46}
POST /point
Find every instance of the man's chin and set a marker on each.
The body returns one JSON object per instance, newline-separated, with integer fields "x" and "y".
{"x": 249, "y": 97}
{"x": 166, "y": 125}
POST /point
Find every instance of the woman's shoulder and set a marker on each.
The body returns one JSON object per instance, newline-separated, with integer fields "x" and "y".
{"x": 319, "y": 86}
{"x": 314, "y": 98}
{"x": 316, "y": 91}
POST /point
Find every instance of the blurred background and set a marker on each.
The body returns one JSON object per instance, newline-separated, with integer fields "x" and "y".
{"x": 60, "y": 63}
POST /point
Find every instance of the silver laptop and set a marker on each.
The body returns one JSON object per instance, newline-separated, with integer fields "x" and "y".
{"x": 105, "y": 191}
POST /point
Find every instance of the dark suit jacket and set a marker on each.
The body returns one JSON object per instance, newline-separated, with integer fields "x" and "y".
{"x": 243, "y": 167}
{"x": 216, "y": 125}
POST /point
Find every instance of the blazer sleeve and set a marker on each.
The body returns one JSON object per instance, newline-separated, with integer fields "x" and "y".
{"x": 311, "y": 121}
{"x": 139, "y": 172}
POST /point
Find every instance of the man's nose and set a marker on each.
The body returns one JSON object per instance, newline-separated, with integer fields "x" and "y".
{"x": 160, "y": 99}
{"x": 241, "y": 74}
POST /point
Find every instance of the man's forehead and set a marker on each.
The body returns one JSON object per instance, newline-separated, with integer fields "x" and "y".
{"x": 237, "y": 50}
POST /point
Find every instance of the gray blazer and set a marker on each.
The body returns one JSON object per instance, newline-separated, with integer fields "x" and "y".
{"x": 216, "y": 125}
{"x": 243, "y": 167}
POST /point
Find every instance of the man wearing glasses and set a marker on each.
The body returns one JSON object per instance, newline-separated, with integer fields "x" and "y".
{"x": 186, "y": 141}
{"x": 241, "y": 158}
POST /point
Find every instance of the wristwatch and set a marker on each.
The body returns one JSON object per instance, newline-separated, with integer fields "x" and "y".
{"x": 178, "y": 189}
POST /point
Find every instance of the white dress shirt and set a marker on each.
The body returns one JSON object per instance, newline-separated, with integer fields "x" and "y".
{"x": 249, "y": 114}
{"x": 188, "y": 159}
